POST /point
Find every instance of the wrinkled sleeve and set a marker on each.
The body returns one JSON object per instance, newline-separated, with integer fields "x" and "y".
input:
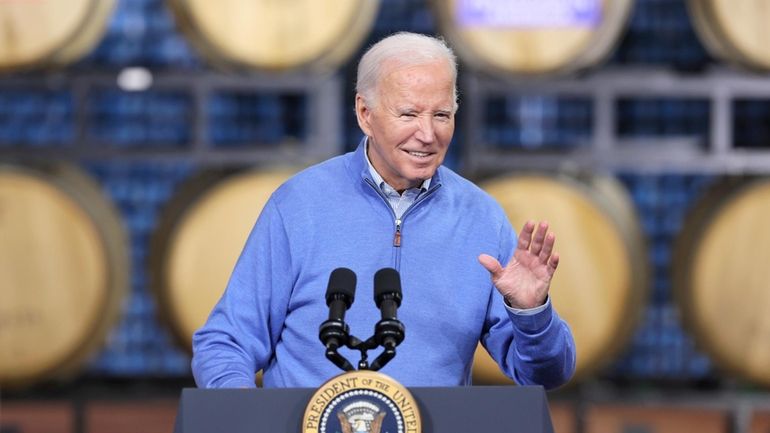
{"x": 240, "y": 334}
{"x": 533, "y": 349}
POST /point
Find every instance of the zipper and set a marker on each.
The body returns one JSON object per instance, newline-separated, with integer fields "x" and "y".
{"x": 399, "y": 222}
{"x": 397, "y": 236}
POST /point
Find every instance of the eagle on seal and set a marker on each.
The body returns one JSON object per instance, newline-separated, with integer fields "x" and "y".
{"x": 360, "y": 425}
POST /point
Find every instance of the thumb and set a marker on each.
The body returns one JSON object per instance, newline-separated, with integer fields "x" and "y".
{"x": 490, "y": 264}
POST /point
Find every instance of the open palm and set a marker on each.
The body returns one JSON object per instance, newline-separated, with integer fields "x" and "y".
{"x": 525, "y": 280}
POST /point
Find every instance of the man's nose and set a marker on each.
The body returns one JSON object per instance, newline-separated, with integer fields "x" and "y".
{"x": 425, "y": 131}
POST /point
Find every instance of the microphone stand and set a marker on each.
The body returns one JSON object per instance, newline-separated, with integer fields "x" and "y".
{"x": 333, "y": 333}
{"x": 388, "y": 335}
{"x": 338, "y": 360}
{"x": 369, "y": 344}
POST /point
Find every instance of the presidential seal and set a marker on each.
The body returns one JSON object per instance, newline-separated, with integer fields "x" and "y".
{"x": 362, "y": 402}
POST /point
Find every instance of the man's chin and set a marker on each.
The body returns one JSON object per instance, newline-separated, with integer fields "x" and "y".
{"x": 422, "y": 176}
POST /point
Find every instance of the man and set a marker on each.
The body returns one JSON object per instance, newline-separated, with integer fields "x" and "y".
{"x": 390, "y": 204}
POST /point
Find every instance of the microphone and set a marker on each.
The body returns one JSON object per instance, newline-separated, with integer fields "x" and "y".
{"x": 340, "y": 294}
{"x": 389, "y": 331}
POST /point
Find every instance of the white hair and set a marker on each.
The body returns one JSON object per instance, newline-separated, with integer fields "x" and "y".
{"x": 405, "y": 49}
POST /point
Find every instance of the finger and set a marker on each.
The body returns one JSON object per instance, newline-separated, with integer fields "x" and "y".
{"x": 525, "y": 237}
{"x": 539, "y": 238}
{"x": 553, "y": 263}
{"x": 491, "y": 264}
{"x": 550, "y": 239}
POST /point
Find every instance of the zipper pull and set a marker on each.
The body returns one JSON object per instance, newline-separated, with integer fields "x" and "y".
{"x": 397, "y": 236}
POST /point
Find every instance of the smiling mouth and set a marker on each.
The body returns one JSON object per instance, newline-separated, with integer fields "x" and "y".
{"x": 418, "y": 154}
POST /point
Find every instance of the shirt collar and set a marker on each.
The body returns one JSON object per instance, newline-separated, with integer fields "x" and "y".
{"x": 376, "y": 176}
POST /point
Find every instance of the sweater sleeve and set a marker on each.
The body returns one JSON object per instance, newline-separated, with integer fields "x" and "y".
{"x": 239, "y": 336}
{"x": 533, "y": 349}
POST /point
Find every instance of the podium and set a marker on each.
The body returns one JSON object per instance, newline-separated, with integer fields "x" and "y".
{"x": 492, "y": 409}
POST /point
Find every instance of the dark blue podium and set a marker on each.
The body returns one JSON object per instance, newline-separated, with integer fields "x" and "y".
{"x": 493, "y": 409}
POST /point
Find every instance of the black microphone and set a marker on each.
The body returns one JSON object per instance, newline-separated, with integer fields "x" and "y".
{"x": 340, "y": 294}
{"x": 387, "y": 295}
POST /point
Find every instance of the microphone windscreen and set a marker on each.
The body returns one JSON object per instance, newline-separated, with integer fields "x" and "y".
{"x": 387, "y": 282}
{"x": 342, "y": 281}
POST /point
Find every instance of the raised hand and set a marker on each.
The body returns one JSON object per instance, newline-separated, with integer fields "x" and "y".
{"x": 525, "y": 280}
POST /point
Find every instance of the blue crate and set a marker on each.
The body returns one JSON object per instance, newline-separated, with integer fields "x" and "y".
{"x": 661, "y": 348}
{"x": 135, "y": 345}
{"x": 256, "y": 118}
{"x": 658, "y": 117}
{"x": 142, "y": 33}
{"x": 751, "y": 124}
{"x": 536, "y": 122}
{"x": 661, "y": 32}
{"x": 141, "y": 119}
{"x": 36, "y": 118}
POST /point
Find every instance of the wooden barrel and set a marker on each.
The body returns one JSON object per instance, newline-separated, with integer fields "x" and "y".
{"x": 199, "y": 239}
{"x": 601, "y": 284}
{"x": 46, "y": 33}
{"x": 722, "y": 277}
{"x": 734, "y": 30}
{"x": 276, "y": 35}
{"x": 532, "y": 37}
{"x": 64, "y": 270}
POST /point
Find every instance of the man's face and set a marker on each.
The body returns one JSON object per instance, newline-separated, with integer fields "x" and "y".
{"x": 411, "y": 124}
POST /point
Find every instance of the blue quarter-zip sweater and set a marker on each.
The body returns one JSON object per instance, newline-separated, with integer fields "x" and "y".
{"x": 333, "y": 215}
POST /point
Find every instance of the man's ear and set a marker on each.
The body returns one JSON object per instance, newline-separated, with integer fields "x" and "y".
{"x": 363, "y": 113}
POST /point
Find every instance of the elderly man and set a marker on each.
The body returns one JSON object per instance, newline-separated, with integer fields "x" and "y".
{"x": 390, "y": 203}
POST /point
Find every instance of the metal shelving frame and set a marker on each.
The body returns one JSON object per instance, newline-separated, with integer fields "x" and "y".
{"x": 605, "y": 148}
{"x": 324, "y": 128}
{"x": 325, "y": 137}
